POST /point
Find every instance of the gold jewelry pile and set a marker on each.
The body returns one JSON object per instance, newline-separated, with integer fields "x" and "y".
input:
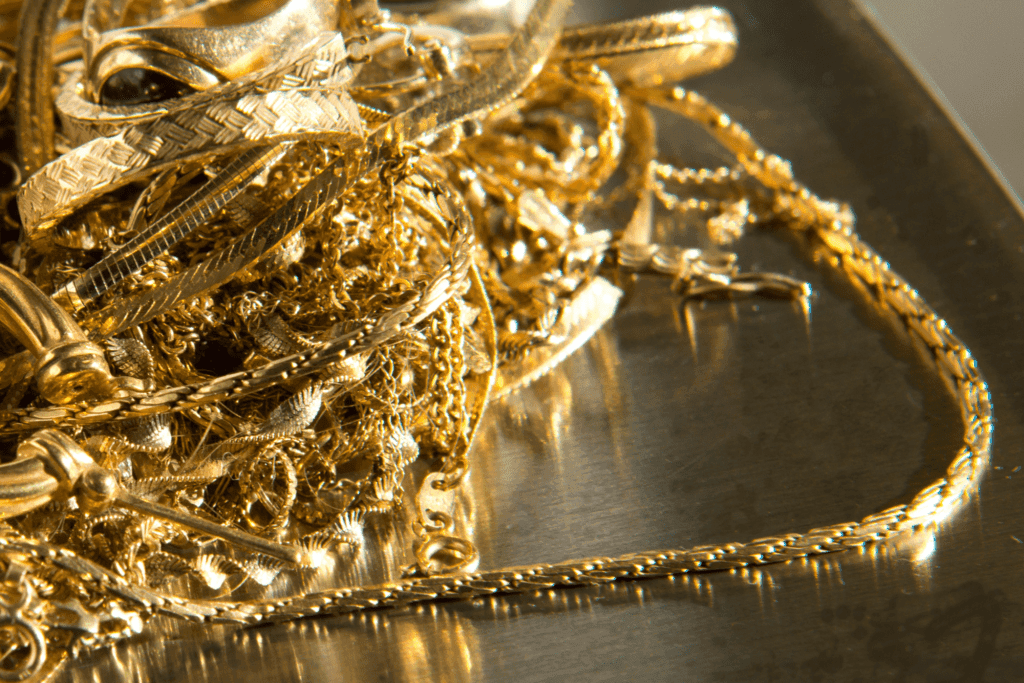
{"x": 263, "y": 291}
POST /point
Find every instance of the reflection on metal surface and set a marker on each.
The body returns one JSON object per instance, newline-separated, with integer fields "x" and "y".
{"x": 424, "y": 644}
{"x": 577, "y": 462}
{"x": 767, "y": 432}
{"x": 588, "y": 311}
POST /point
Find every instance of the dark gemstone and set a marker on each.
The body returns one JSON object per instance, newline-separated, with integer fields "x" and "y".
{"x": 139, "y": 86}
{"x": 13, "y": 214}
{"x": 10, "y": 176}
{"x": 217, "y": 357}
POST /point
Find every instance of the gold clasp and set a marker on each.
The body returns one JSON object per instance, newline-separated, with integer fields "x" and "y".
{"x": 68, "y": 367}
{"x": 437, "y": 549}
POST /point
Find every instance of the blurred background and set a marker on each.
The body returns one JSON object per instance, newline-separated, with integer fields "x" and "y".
{"x": 971, "y": 54}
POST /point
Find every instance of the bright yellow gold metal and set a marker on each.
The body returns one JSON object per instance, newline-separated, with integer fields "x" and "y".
{"x": 68, "y": 367}
{"x": 314, "y": 256}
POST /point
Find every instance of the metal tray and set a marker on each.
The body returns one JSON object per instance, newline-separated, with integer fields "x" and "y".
{"x": 748, "y": 422}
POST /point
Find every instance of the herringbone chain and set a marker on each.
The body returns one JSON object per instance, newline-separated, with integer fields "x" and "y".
{"x": 827, "y": 223}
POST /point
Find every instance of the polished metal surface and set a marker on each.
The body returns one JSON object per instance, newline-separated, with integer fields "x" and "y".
{"x": 970, "y": 54}
{"x": 677, "y": 426}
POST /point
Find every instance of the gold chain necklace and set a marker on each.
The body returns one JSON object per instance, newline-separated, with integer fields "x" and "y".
{"x": 265, "y": 296}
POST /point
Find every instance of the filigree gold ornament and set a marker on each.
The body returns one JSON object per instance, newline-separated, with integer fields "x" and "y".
{"x": 266, "y": 290}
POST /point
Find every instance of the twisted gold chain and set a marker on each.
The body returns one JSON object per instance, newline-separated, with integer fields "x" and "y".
{"x": 390, "y": 233}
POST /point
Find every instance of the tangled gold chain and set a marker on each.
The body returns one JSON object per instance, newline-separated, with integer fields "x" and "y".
{"x": 390, "y": 234}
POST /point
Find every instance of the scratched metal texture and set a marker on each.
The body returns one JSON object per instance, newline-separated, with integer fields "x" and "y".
{"x": 754, "y": 424}
{"x": 971, "y": 54}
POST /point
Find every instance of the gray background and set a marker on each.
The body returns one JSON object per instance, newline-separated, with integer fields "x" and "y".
{"x": 971, "y": 54}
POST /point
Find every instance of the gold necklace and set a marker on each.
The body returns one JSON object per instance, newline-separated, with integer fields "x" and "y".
{"x": 260, "y": 306}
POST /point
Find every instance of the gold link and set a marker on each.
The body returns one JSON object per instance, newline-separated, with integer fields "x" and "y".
{"x": 438, "y": 246}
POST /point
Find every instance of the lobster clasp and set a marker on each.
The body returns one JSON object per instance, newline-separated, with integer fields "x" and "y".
{"x": 438, "y": 550}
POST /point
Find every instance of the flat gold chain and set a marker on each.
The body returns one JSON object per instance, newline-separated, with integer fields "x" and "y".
{"x": 445, "y": 233}
{"x": 830, "y": 224}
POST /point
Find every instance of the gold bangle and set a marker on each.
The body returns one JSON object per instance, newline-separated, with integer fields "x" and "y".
{"x": 196, "y": 50}
{"x": 650, "y": 51}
